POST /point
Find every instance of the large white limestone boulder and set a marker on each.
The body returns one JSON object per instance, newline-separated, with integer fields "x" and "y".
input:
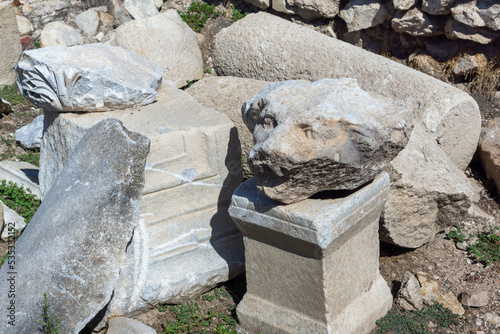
{"x": 166, "y": 41}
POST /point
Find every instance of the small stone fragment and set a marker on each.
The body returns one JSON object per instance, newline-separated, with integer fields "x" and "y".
{"x": 325, "y": 135}
{"x": 428, "y": 287}
{"x": 489, "y": 151}
{"x": 457, "y": 30}
{"x": 462, "y": 245}
{"x": 451, "y": 302}
{"x": 492, "y": 318}
{"x": 409, "y": 296}
{"x": 403, "y": 4}
{"x": 24, "y": 25}
{"x": 359, "y": 14}
{"x": 30, "y": 136}
{"x": 121, "y": 325}
{"x": 474, "y": 299}
{"x": 91, "y": 77}
{"x": 468, "y": 64}
{"x": 437, "y": 7}
{"x": 59, "y": 33}
{"x": 88, "y": 22}
{"x": 417, "y": 23}
{"x": 12, "y": 222}
{"x": 128, "y": 10}
{"x": 5, "y": 106}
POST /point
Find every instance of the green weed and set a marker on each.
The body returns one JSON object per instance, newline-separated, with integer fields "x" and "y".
{"x": 416, "y": 322}
{"x": 49, "y": 323}
{"x": 19, "y": 199}
{"x": 32, "y": 156}
{"x": 237, "y": 15}
{"x": 36, "y": 44}
{"x": 198, "y": 13}
{"x": 189, "y": 317}
{"x": 486, "y": 248}
{"x": 11, "y": 93}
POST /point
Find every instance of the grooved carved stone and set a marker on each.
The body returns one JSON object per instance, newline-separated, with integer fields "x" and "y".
{"x": 186, "y": 242}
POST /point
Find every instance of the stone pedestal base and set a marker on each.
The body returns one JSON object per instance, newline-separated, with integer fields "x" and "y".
{"x": 312, "y": 266}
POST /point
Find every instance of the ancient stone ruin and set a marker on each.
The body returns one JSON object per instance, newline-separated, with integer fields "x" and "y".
{"x": 140, "y": 176}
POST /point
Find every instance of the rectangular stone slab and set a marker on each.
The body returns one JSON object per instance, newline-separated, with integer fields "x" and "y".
{"x": 186, "y": 242}
{"x": 312, "y": 266}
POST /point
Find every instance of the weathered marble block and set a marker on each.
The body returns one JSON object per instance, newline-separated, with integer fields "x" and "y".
{"x": 186, "y": 242}
{"x": 312, "y": 266}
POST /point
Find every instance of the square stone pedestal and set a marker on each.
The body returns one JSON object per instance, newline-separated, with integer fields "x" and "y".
{"x": 312, "y": 266}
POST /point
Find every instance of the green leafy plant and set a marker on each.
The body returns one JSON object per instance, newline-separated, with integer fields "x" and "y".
{"x": 416, "y": 322}
{"x": 198, "y": 13}
{"x": 49, "y": 323}
{"x": 189, "y": 317}
{"x": 36, "y": 44}
{"x": 456, "y": 234}
{"x": 11, "y": 93}
{"x": 486, "y": 247}
{"x": 32, "y": 156}
{"x": 237, "y": 15}
{"x": 19, "y": 199}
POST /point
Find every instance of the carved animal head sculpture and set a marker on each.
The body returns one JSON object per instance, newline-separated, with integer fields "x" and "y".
{"x": 324, "y": 135}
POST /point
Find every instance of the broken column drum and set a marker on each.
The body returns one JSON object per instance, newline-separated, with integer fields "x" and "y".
{"x": 312, "y": 266}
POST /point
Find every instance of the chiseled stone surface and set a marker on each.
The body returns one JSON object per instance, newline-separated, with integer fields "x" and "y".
{"x": 324, "y": 135}
{"x": 10, "y": 45}
{"x": 166, "y": 41}
{"x": 91, "y": 77}
{"x": 312, "y": 266}
{"x": 181, "y": 247}
{"x": 276, "y": 49}
{"x": 489, "y": 151}
{"x": 439, "y": 193}
{"x": 121, "y": 325}
{"x": 22, "y": 173}
{"x": 98, "y": 195}
{"x": 226, "y": 95}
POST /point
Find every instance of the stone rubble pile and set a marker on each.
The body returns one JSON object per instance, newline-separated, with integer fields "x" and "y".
{"x": 346, "y": 147}
{"x": 470, "y": 20}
